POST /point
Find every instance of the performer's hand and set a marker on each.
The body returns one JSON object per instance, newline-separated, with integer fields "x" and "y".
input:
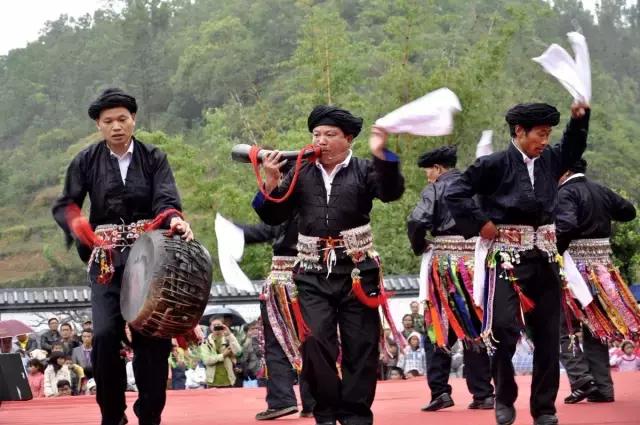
{"x": 489, "y": 231}
{"x": 378, "y": 141}
{"x": 181, "y": 227}
{"x": 271, "y": 164}
{"x": 578, "y": 109}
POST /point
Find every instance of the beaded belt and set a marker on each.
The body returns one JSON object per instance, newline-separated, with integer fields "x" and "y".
{"x": 357, "y": 244}
{"x": 517, "y": 238}
{"x": 282, "y": 268}
{"x": 454, "y": 245}
{"x": 120, "y": 235}
{"x": 591, "y": 249}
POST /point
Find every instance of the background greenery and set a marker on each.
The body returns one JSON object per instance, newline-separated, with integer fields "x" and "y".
{"x": 209, "y": 74}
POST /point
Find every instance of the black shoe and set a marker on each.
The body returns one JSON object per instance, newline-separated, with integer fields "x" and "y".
{"x": 306, "y": 414}
{"x": 596, "y": 397}
{"x": 124, "y": 420}
{"x": 505, "y": 415}
{"x": 326, "y": 423}
{"x": 276, "y": 413}
{"x": 581, "y": 393}
{"x": 546, "y": 420}
{"x": 486, "y": 404}
{"x": 441, "y": 402}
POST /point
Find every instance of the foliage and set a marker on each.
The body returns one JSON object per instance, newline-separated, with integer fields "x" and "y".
{"x": 210, "y": 74}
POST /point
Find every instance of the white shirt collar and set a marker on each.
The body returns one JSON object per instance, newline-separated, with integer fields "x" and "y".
{"x": 124, "y": 155}
{"x": 328, "y": 178}
{"x": 573, "y": 176}
{"x": 338, "y": 166}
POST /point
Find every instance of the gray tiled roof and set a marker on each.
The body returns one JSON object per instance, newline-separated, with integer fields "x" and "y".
{"x": 33, "y": 299}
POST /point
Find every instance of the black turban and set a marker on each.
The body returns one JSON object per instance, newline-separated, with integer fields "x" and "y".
{"x": 112, "y": 98}
{"x": 580, "y": 166}
{"x": 331, "y": 115}
{"x": 444, "y": 155}
{"x": 530, "y": 115}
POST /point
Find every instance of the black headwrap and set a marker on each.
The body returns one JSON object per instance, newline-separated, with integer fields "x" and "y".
{"x": 580, "y": 166}
{"x": 530, "y": 115}
{"x": 444, "y": 155}
{"x": 112, "y": 98}
{"x": 331, "y": 115}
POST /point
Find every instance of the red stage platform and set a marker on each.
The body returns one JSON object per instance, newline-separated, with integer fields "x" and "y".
{"x": 397, "y": 403}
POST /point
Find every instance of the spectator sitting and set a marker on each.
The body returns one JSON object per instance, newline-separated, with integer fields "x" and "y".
{"x": 628, "y": 361}
{"x": 87, "y": 325}
{"x": 523, "y": 358}
{"x": 68, "y": 339}
{"x": 414, "y": 361}
{"x": 64, "y": 388}
{"x": 82, "y": 355}
{"x": 56, "y": 371}
{"x": 57, "y": 347}
{"x": 77, "y": 376}
{"x": 196, "y": 377}
{"x": 39, "y": 354}
{"x": 395, "y": 373}
{"x": 249, "y": 361}
{"x": 219, "y": 354}
{"x": 51, "y": 336}
{"x": 91, "y": 387}
{"x": 24, "y": 345}
{"x": 407, "y": 324}
{"x": 418, "y": 319}
{"x": 178, "y": 366}
{"x": 35, "y": 377}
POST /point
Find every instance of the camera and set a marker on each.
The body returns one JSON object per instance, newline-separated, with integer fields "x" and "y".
{"x": 218, "y": 328}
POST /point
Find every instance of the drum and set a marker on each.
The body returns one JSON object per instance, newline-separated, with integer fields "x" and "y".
{"x": 166, "y": 285}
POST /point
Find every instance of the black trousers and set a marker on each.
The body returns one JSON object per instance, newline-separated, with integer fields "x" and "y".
{"x": 477, "y": 369}
{"x": 282, "y": 375}
{"x": 540, "y": 281}
{"x": 150, "y": 358}
{"x": 591, "y": 363}
{"x": 327, "y": 304}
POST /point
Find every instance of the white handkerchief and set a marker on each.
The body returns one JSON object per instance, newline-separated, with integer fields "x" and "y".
{"x": 574, "y": 75}
{"x": 423, "y": 293}
{"x": 479, "y": 269}
{"x": 230, "y": 249}
{"x": 430, "y": 115}
{"x": 576, "y": 283}
{"x": 484, "y": 145}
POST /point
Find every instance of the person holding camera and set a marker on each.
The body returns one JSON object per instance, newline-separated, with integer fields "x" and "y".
{"x": 219, "y": 354}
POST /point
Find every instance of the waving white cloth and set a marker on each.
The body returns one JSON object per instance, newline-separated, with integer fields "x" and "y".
{"x": 484, "y": 145}
{"x": 230, "y": 249}
{"x": 575, "y": 281}
{"x": 425, "y": 269}
{"x": 430, "y": 115}
{"x": 574, "y": 75}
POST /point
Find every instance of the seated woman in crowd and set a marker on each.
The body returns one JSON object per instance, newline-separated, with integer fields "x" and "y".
{"x": 219, "y": 354}
{"x": 36, "y": 377}
{"x": 414, "y": 361}
{"x": 56, "y": 371}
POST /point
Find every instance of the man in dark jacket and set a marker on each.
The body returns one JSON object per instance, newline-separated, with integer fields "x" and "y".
{"x": 517, "y": 193}
{"x": 450, "y": 249}
{"x": 338, "y": 276}
{"x": 51, "y": 336}
{"x": 583, "y": 222}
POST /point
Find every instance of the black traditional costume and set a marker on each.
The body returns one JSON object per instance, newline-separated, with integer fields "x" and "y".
{"x": 583, "y": 222}
{"x": 450, "y": 312}
{"x": 119, "y": 212}
{"x": 338, "y": 274}
{"x": 278, "y": 312}
{"x": 519, "y": 195}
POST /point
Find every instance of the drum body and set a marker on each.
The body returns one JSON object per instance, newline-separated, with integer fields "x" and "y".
{"x": 166, "y": 285}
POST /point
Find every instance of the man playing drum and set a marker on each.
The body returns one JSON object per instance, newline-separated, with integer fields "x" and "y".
{"x": 338, "y": 271}
{"x": 129, "y": 183}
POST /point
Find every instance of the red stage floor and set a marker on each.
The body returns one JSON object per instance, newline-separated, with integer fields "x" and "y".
{"x": 397, "y": 403}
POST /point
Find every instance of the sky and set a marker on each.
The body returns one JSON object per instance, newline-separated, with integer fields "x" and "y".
{"x": 22, "y": 20}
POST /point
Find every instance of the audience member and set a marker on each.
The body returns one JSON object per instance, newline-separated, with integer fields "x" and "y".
{"x": 627, "y": 361}
{"x": 51, "y": 336}
{"x": 35, "y": 377}
{"x": 219, "y": 354}
{"x": 418, "y": 319}
{"x": 56, "y": 371}
{"x": 68, "y": 338}
{"x": 81, "y": 355}
{"x": 64, "y": 388}
{"x": 414, "y": 361}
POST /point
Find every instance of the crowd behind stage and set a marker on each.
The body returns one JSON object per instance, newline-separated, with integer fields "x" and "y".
{"x": 58, "y": 361}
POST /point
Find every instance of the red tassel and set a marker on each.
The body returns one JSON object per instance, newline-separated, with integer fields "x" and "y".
{"x": 303, "y": 329}
{"x": 80, "y": 227}
{"x": 356, "y": 287}
{"x": 157, "y": 222}
{"x": 525, "y": 302}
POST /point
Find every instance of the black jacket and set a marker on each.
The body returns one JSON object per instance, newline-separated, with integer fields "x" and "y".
{"x": 431, "y": 214}
{"x": 150, "y": 187}
{"x": 352, "y": 193}
{"x": 505, "y": 193}
{"x": 585, "y": 210}
{"x": 284, "y": 237}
